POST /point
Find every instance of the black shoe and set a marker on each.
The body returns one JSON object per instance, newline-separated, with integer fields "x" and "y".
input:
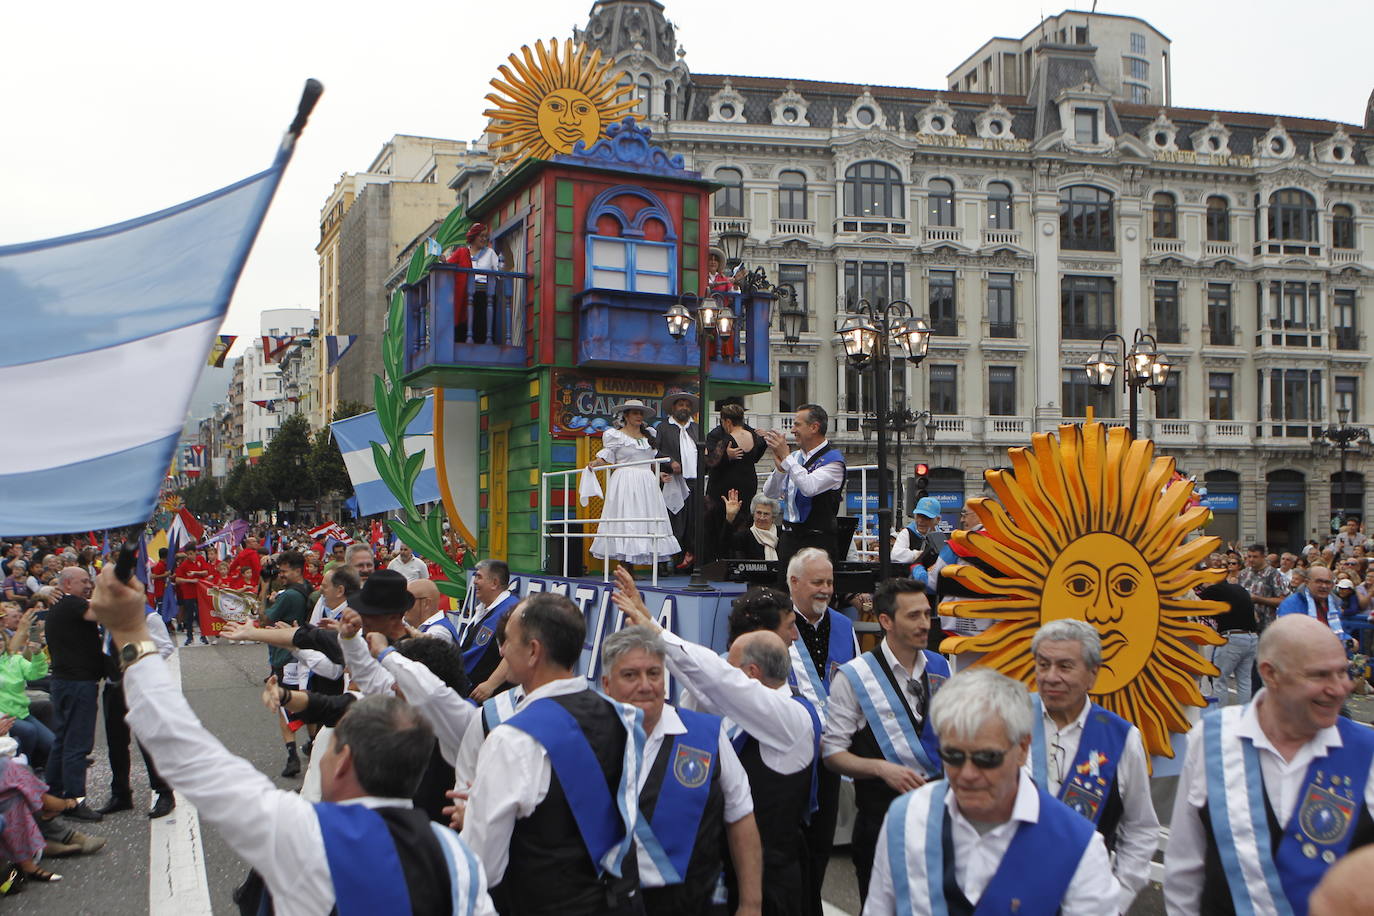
{"x": 84, "y": 812}
{"x": 307, "y": 747}
{"x": 163, "y": 805}
{"x": 204, "y": 641}
{"x": 292, "y": 768}
{"x": 117, "y": 803}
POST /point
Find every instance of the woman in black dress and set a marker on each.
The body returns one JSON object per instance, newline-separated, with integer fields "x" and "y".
{"x": 732, "y": 450}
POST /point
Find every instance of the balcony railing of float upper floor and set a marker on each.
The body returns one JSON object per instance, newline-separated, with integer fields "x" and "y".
{"x": 464, "y": 327}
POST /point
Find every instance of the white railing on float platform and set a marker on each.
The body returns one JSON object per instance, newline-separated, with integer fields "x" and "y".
{"x": 570, "y": 498}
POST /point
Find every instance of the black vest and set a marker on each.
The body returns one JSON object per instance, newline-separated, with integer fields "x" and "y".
{"x": 824, "y": 506}
{"x": 1216, "y": 894}
{"x": 693, "y": 896}
{"x": 781, "y": 803}
{"x": 550, "y": 871}
{"x": 437, "y": 779}
{"x": 422, "y": 863}
{"x": 872, "y": 795}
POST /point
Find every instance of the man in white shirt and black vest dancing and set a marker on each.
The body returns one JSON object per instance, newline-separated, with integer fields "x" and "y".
{"x": 877, "y": 729}
{"x": 693, "y": 793}
{"x": 1273, "y": 792}
{"x": 776, "y": 733}
{"x": 554, "y": 802}
{"x": 985, "y": 837}
{"x": 808, "y": 482}
{"x": 1089, "y": 758}
{"x": 481, "y": 654}
{"x": 365, "y": 848}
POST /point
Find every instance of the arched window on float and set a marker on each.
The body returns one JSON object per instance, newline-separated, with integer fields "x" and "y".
{"x": 631, "y": 243}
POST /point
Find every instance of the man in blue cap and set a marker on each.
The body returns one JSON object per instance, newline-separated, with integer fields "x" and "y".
{"x": 918, "y": 544}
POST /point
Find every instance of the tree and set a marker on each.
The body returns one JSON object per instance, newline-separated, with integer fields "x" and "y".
{"x": 285, "y": 467}
{"x": 326, "y": 461}
{"x": 244, "y": 489}
{"x": 203, "y": 497}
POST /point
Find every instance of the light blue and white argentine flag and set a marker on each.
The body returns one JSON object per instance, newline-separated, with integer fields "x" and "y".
{"x": 132, "y": 309}
{"x": 355, "y": 437}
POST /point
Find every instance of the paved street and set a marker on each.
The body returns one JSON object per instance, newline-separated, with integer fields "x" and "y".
{"x": 171, "y": 867}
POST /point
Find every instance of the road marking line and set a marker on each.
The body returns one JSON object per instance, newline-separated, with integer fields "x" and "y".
{"x": 176, "y": 867}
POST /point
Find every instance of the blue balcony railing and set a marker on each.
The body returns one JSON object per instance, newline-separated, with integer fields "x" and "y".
{"x": 626, "y": 330}
{"x": 484, "y": 329}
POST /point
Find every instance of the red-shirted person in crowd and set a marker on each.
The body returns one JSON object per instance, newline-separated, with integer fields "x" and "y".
{"x": 157, "y": 577}
{"x": 248, "y": 562}
{"x": 191, "y": 570}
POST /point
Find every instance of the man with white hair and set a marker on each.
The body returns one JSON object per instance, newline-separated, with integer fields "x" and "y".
{"x": 1016, "y": 848}
{"x": 1273, "y": 792}
{"x": 1089, "y": 758}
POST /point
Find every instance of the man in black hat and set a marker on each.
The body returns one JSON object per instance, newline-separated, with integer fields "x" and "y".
{"x": 678, "y": 439}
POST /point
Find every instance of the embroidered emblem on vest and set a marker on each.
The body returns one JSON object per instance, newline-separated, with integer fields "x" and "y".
{"x": 1324, "y": 815}
{"x": 1086, "y": 789}
{"x": 691, "y": 766}
{"x": 935, "y": 681}
{"x": 483, "y": 636}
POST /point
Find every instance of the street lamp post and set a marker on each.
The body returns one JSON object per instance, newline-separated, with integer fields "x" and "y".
{"x": 872, "y": 336}
{"x": 1144, "y": 366}
{"x": 1342, "y": 436}
{"x": 902, "y": 421}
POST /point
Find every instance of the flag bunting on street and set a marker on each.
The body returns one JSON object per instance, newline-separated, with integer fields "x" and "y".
{"x": 355, "y": 436}
{"x": 135, "y": 306}
{"x": 274, "y": 347}
{"x": 254, "y": 452}
{"x": 220, "y": 349}
{"x": 230, "y": 535}
{"x": 335, "y": 346}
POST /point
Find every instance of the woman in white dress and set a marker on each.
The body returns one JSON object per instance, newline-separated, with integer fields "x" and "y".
{"x": 633, "y": 492}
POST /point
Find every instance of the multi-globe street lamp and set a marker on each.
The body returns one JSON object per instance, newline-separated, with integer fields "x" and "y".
{"x": 1343, "y": 438}
{"x": 1144, "y": 366}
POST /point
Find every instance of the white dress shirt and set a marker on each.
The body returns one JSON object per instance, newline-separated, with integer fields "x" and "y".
{"x": 430, "y": 627}
{"x": 513, "y": 773}
{"x": 415, "y": 569}
{"x": 276, "y": 832}
{"x": 369, "y": 676}
{"x": 779, "y": 723}
{"x": 445, "y": 711}
{"x": 1137, "y": 833}
{"x": 902, "y": 551}
{"x": 1283, "y": 780}
{"x": 977, "y": 856}
{"x": 845, "y": 717}
{"x": 734, "y": 782}
{"x": 486, "y": 259}
{"x": 808, "y": 483}
{"x": 688, "y": 447}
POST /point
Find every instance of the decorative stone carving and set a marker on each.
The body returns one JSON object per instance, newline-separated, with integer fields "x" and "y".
{"x": 789, "y": 109}
{"x": 1193, "y": 195}
{"x": 727, "y": 105}
{"x": 1161, "y": 134}
{"x": 865, "y": 113}
{"x": 971, "y": 182}
{"x": 1276, "y": 144}
{"x": 1212, "y": 139}
{"x": 994, "y": 123}
{"x": 870, "y": 147}
{"x": 760, "y": 170}
{"x": 1337, "y": 149}
{"x": 937, "y": 119}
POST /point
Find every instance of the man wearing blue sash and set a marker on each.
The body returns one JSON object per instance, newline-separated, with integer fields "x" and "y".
{"x": 693, "y": 793}
{"x": 878, "y": 731}
{"x": 1273, "y": 792}
{"x": 481, "y": 655}
{"x": 777, "y": 739}
{"x": 985, "y": 840}
{"x": 1314, "y": 599}
{"x": 1091, "y": 759}
{"x": 808, "y": 483}
{"x": 825, "y": 641}
{"x": 554, "y": 803}
{"x": 307, "y": 856}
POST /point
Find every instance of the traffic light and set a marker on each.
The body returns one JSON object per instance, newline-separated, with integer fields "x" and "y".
{"x": 922, "y": 480}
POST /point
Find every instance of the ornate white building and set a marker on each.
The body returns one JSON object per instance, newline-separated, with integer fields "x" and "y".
{"x": 1026, "y": 224}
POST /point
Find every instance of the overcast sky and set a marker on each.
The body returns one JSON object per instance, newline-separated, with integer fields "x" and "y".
{"x": 111, "y": 110}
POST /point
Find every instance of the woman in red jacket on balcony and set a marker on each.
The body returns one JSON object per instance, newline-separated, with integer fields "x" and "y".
{"x": 472, "y": 292}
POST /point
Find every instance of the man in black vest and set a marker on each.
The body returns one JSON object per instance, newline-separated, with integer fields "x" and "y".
{"x": 777, "y": 741}
{"x": 808, "y": 483}
{"x": 678, "y": 439}
{"x": 693, "y": 792}
{"x": 552, "y": 781}
{"x": 306, "y": 856}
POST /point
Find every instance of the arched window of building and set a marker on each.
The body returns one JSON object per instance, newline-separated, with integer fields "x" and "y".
{"x": 999, "y": 205}
{"x": 1218, "y": 219}
{"x": 873, "y": 189}
{"x": 1165, "y": 224}
{"x": 1292, "y": 215}
{"x": 940, "y": 205}
{"x": 1085, "y": 219}
{"x": 645, "y": 91}
{"x": 791, "y": 195}
{"x": 668, "y": 98}
{"x": 729, "y": 200}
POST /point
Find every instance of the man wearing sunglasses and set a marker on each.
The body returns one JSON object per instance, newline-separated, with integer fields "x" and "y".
{"x": 1015, "y": 848}
{"x": 878, "y": 731}
{"x": 1273, "y": 792}
{"x": 1091, "y": 759}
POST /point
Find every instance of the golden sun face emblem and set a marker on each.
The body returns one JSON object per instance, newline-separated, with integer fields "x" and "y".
{"x": 547, "y": 101}
{"x": 1087, "y": 526}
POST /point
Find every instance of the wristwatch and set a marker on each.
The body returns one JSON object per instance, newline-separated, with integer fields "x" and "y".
{"x": 133, "y": 651}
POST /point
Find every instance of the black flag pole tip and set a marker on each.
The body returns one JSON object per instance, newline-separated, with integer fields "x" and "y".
{"x": 309, "y": 96}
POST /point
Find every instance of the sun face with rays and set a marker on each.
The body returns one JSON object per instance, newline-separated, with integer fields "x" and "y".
{"x": 1087, "y": 525}
{"x": 546, "y": 101}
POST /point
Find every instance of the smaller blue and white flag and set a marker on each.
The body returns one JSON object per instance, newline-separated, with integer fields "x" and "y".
{"x": 432, "y": 247}
{"x": 336, "y": 345}
{"x": 355, "y": 437}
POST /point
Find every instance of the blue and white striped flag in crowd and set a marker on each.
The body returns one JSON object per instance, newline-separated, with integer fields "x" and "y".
{"x": 132, "y": 308}
{"x": 355, "y": 437}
